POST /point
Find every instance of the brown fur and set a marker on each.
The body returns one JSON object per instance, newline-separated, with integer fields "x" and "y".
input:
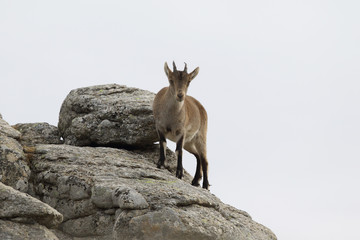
{"x": 182, "y": 119}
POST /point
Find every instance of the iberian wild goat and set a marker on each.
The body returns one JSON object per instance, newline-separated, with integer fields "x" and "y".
{"x": 183, "y": 120}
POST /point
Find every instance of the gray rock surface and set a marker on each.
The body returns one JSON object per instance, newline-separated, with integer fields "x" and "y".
{"x": 37, "y": 133}
{"x": 20, "y": 207}
{"x": 22, "y": 217}
{"x": 127, "y": 198}
{"x": 14, "y": 169}
{"x": 7, "y": 130}
{"x": 18, "y": 231}
{"x": 121, "y": 194}
{"x": 108, "y": 115}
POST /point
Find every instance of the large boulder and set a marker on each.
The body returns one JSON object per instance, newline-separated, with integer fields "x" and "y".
{"x": 107, "y": 193}
{"x": 23, "y": 217}
{"x": 20, "y": 207}
{"x": 14, "y": 169}
{"x": 108, "y": 115}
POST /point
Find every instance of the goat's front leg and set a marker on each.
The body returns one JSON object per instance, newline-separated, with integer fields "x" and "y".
{"x": 162, "y": 150}
{"x": 179, "y": 147}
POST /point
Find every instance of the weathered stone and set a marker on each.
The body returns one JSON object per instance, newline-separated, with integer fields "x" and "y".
{"x": 63, "y": 236}
{"x": 93, "y": 225}
{"x": 78, "y": 189}
{"x": 102, "y": 196}
{"x": 17, "y": 231}
{"x": 127, "y": 198}
{"x": 38, "y": 133}
{"x": 105, "y": 193}
{"x": 165, "y": 224}
{"x": 14, "y": 169}
{"x": 75, "y": 209}
{"x": 108, "y": 115}
{"x": 151, "y": 203}
{"x": 193, "y": 222}
{"x": 21, "y": 207}
{"x": 7, "y": 130}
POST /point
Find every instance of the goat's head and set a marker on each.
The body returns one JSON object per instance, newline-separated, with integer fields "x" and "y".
{"x": 179, "y": 80}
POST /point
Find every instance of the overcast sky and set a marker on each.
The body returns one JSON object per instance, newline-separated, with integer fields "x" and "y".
{"x": 280, "y": 81}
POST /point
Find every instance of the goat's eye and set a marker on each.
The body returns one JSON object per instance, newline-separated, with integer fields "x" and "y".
{"x": 171, "y": 82}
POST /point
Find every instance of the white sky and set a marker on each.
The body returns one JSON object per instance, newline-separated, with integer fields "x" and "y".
{"x": 279, "y": 79}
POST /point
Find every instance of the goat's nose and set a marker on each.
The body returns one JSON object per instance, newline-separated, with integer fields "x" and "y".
{"x": 180, "y": 95}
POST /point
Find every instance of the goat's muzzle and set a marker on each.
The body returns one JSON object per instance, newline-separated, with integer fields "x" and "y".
{"x": 180, "y": 97}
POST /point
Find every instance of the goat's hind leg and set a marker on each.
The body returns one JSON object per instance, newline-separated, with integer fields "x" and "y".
{"x": 190, "y": 147}
{"x": 162, "y": 150}
{"x": 204, "y": 164}
{"x": 198, "y": 174}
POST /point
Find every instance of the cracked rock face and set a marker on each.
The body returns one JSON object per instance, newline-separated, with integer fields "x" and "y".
{"x": 121, "y": 194}
{"x": 108, "y": 115}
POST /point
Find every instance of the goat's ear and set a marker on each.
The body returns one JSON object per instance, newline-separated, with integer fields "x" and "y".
{"x": 194, "y": 73}
{"x": 167, "y": 70}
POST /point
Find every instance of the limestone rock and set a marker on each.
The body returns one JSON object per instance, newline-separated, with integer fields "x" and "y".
{"x": 98, "y": 224}
{"x": 75, "y": 209}
{"x": 7, "y": 130}
{"x": 17, "y": 231}
{"x": 108, "y": 115}
{"x": 125, "y": 196}
{"x": 20, "y": 207}
{"x": 102, "y": 193}
{"x": 14, "y": 169}
{"x": 38, "y": 133}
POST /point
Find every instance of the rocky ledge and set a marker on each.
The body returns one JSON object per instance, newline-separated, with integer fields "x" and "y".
{"x": 106, "y": 187}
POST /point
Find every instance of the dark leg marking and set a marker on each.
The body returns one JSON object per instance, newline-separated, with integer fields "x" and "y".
{"x": 162, "y": 150}
{"x": 204, "y": 164}
{"x": 179, "y": 146}
{"x": 198, "y": 174}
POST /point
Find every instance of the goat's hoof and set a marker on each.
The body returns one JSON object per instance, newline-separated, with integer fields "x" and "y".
{"x": 206, "y": 186}
{"x": 195, "y": 183}
{"x": 160, "y": 164}
{"x": 179, "y": 173}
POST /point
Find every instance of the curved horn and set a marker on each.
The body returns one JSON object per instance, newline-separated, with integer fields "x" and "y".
{"x": 174, "y": 67}
{"x": 185, "y": 68}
